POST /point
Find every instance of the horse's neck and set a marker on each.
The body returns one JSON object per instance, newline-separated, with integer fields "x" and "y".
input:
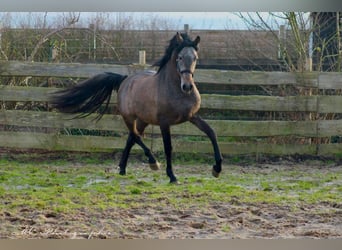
{"x": 169, "y": 77}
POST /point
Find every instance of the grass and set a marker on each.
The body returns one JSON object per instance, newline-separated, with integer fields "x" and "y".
{"x": 64, "y": 185}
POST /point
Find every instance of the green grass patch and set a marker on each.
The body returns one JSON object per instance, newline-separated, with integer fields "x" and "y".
{"x": 67, "y": 186}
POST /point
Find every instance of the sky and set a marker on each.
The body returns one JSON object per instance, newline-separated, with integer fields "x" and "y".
{"x": 196, "y": 20}
{"x": 206, "y": 20}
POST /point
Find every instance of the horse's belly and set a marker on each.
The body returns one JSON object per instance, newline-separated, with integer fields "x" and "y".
{"x": 177, "y": 115}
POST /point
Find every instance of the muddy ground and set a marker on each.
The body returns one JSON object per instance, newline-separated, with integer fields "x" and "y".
{"x": 220, "y": 221}
{"x": 233, "y": 219}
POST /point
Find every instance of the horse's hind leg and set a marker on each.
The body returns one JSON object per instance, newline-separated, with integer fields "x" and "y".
{"x": 129, "y": 144}
{"x": 130, "y": 123}
{"x": 135, "y": 129}
{"x": 154, "y": 164}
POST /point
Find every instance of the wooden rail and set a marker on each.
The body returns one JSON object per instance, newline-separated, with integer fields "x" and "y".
{"x": 49, "y": 129}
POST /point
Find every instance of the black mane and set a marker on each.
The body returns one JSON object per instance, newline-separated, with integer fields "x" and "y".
{"x": 174, "y": 45}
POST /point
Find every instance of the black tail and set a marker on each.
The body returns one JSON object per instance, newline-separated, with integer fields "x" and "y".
{"x": 88, "y": 96}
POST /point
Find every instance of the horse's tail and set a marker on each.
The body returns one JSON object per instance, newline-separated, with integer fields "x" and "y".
{"x": 88, "y": 96}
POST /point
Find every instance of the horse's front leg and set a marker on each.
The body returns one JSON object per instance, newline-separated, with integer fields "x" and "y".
{"x": 204, "y": 126}
{"x": 165, "y": 130}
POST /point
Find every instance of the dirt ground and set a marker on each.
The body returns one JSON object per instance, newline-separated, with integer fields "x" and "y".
{"x": 239, "y": 221}
{"x": 234, "y": 219}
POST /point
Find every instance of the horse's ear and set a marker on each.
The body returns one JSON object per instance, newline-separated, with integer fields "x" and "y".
{"x": 197, "y": 40}
{"x": 179, "y": 38}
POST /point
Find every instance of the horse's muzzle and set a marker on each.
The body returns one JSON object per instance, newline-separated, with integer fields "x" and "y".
{"x": 186, "y": 87}
{"x": 187, "y": 82}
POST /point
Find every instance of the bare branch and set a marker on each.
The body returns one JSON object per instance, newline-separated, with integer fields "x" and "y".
{"x": 73, "y": 18}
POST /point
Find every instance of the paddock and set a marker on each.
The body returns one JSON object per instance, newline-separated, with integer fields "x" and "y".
{"x": 59, "y": 179}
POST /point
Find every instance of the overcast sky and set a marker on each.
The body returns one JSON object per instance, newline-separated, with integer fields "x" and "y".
{"x": 196, "y": 20}
{"x": 206, "y": 20}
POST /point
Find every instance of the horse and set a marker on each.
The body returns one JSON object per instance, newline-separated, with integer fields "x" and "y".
{"x": 165, "y": 97}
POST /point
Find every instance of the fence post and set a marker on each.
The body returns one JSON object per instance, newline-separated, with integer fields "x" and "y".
{"x": 186, "y": 28}
{"x": 142, "y": 57}
{"x": 282, "y": 39}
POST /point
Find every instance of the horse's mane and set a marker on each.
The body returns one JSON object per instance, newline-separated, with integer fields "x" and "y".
{"x": 174, "y": 45}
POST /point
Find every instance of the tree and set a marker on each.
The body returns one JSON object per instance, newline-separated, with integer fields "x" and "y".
{"x": 68, "y": 22}
{"x": 327, "y": 40}
{"x": 291, "y": 33}
{"x": 302, "y": 37}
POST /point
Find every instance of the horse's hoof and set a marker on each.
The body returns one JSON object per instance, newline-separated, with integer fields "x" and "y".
{"x": 155, "y": 166}
{"x": 176, "y": 182}
{"x": 215, "y": 173}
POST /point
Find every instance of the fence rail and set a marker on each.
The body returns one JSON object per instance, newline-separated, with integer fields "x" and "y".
{"x": 49, "y": 129}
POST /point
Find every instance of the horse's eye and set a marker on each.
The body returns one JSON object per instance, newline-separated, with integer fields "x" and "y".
{"x": 180, "y": 58}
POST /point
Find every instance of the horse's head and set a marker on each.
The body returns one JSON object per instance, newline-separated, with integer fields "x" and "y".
{"x": 186, "y": 61}
{"x": 182, "y": 52}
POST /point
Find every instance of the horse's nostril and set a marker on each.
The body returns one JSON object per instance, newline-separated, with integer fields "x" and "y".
{"x": 187, "y": 88}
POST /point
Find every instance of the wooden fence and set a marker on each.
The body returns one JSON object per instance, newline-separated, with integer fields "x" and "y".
{"x": 50, "y": 130}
